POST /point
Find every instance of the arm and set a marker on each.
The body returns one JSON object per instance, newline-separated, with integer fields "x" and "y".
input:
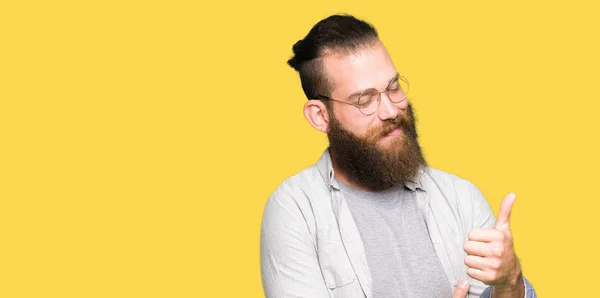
{"x": 289, "y": 264}
{"x": 485, "y": 225}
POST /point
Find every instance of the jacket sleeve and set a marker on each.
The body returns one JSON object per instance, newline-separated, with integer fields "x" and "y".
{"x": 483, "y": 216}
{"x": 484, "y": 219}
{"x": 288, "y": 256}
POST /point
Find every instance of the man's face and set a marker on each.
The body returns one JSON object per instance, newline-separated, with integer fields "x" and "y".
{"x": 372, "y": 150}
{"x": 350, "y": 74}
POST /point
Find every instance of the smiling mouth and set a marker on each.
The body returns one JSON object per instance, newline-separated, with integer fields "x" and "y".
{"x": 393, "y": 133}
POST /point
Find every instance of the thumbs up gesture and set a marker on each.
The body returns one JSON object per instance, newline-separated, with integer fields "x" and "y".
{"x": 491, "y": 258}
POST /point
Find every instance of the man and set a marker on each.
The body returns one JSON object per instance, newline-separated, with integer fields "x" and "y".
{"x": 370, "y": 218}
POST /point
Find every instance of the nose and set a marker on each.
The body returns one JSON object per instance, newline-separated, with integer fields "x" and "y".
{"x": 389, "y": 110}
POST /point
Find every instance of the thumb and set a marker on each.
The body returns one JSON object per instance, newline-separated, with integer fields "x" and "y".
{"x": 506, "y": 206}
{"x": 462, "y": 289}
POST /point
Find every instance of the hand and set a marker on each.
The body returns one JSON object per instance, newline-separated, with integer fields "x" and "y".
{"x": 490, "y": 255}
{"x": 461, "y": 289}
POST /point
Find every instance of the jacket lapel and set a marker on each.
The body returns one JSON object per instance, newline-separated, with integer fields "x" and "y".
{"x": 353, "y": 243}
{"x": 348, "y": 231}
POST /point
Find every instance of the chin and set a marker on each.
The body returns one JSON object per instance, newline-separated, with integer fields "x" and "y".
{"x": 393, "y": 145}
{"x": 392, "y": 142}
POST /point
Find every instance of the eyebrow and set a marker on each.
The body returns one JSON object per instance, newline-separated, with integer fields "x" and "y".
{"x": 357, "y": 93}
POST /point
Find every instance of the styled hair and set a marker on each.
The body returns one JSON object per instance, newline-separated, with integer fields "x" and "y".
{"x": 336, "y": 34}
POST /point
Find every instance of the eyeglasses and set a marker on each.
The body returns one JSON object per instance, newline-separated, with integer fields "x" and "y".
{"x": 370, "y": 99}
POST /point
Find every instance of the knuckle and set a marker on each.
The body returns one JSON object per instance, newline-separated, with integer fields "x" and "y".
{"x": 470, "y": 272}
{"x": 501, "y": 236}
{"x": 471, "y": 235}
{"x": 498, "y": 251}
{"x": 495, "y": 264}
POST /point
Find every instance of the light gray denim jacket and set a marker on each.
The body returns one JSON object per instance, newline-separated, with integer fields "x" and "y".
{"x": 310, "y": 245}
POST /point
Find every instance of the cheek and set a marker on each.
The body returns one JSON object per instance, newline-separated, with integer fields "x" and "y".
{"x": 358, "y": 125}
{"x": 361, "y": 128}
{"x": 403, "y": 105}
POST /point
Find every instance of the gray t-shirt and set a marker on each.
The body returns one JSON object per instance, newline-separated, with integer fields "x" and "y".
{"x": 399, "y": 251}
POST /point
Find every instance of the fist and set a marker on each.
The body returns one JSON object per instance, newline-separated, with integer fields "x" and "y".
{"x": 490, "y": 255}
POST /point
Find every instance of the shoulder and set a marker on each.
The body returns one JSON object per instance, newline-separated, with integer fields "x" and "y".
{"x": 448, "y": 181}
{"x": 463, "y": 196}
{"x": 451, "y": 187}
{"x": 298, "y": 184}
{"x": 296, "y": 203}
{"x": 298, "y": 192}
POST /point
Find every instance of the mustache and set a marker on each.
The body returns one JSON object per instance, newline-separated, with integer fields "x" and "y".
{"x": 404, "y": 123}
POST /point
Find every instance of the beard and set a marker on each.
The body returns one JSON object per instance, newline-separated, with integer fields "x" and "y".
{"x": 368, "y": 163}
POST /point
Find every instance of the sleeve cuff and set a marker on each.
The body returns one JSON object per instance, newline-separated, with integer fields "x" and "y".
{"x": 529, "y": 290}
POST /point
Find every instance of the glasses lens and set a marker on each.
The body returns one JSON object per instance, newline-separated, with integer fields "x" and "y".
{"x": 398, "y": 90}
{"x": 369, "y": 101}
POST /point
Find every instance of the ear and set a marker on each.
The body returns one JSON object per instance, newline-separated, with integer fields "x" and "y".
{"x": 316, "y": 113}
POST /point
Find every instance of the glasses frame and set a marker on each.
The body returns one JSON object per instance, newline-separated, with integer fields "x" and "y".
{"x": 401, "y": 78}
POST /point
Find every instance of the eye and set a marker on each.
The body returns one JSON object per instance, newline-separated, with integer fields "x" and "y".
{"x": 395, "y": 86}
{"x": 365, "y": 100}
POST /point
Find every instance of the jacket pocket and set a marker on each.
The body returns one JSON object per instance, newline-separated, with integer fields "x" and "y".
{"x": 335, "y": 265}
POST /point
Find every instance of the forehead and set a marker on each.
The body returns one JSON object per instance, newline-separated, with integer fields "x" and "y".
{"x": 371, "y": 67}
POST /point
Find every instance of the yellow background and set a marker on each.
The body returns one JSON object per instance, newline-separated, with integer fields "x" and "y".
{"x": 140, "y": 139}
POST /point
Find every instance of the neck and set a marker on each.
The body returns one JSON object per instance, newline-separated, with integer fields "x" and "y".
{"x": 340, "y": 175}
